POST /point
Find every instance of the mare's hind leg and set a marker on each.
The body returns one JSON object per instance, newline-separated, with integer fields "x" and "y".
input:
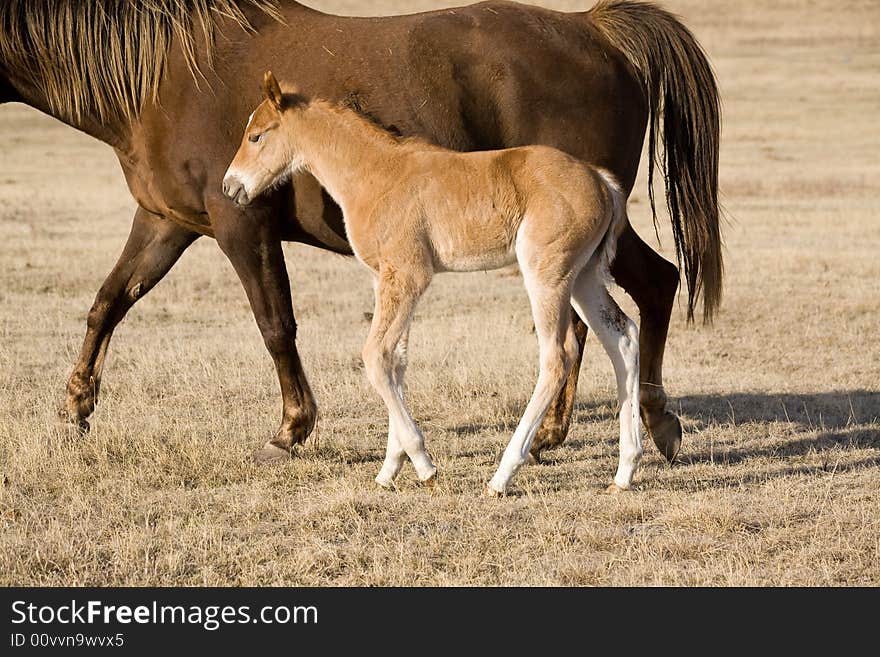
{"x": 153, "y": 246}
{"x": 558, "y": 350}
{"x": 652, "y": 282}
{"x": 620, "y": 338}
{"x": 396, "y": 295}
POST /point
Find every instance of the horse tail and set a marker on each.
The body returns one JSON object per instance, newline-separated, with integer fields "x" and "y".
{"x": 607, "y": 249}
{"x": 679, "y": 86}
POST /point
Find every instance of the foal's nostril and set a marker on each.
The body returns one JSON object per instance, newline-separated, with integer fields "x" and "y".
{"x": 232, "y": 189}
{"x": 241, "y": 197}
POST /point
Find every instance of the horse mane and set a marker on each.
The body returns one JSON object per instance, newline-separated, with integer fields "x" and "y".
{"x": 360, "y": 117}
{"x": 107, "y": 58}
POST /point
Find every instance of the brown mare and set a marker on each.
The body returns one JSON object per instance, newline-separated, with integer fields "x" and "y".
{"x": 169, "y": 86}
{"x": 413, "y": 209}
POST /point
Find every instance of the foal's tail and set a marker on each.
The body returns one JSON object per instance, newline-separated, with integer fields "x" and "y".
{"x": 680, "y": 87}
{"x": 607, "y": 249}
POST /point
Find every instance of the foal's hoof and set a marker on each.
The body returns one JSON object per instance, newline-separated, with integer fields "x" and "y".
{"x": 271, "y": 454}
{"x": 432, "y": 483}
{"x": 488, "y": 491}
{"x": 666, "y": 434}
{"x": 614, "y": 489}
{"x": 78, "y": 425}
{"x": 385, "y": 484}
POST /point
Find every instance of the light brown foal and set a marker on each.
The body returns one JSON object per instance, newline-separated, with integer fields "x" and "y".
{"x": 412, "y": 209}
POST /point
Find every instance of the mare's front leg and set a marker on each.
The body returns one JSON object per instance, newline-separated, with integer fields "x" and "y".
{"x": 153, "y": 246}
{"x": 652, "y": 282}
{"x": 250, "y": 239}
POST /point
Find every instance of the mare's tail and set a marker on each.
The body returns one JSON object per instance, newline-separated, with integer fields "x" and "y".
{"x": 681, "y": 89}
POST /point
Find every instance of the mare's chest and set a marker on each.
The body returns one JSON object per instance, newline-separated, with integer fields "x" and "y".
{"x": 172, "y": 168}
{"x": 174, "y": 190}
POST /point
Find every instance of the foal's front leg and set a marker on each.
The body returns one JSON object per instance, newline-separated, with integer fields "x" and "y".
{"x": 395, "y": 455}
{"x": 396, "y": 297}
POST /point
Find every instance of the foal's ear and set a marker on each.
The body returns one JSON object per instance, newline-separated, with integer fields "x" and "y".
{"x": 272, "y": 90}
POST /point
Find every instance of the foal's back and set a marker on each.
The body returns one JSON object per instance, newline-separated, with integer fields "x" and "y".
{"x": 467, "y": 210}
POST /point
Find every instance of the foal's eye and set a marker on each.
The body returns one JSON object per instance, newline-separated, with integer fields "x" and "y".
{"x": 254, "y": 138}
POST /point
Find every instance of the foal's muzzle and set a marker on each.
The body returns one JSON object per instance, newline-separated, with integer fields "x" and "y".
{"x": 235, "y": 190}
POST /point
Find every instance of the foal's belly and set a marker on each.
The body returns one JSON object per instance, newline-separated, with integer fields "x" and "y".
{"x": 473, "y": 245}
{"x": 473, "y": 262}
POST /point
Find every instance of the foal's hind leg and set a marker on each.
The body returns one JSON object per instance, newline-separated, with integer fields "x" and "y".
{"x": 153, "y": 246}
{"x": 557, "y": 422}
{"x": 558, "y": 350}
{"x": 396, "y": 297}
{"x": 620, "y": 338}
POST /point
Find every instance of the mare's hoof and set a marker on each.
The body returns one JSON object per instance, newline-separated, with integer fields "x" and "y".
{"x": 666, "y": 434}
{"x": 534, "y": 457}
{"x": 78, "y": 425}
{"x": 271, "y": 454}
{"x": 614, "y": 489}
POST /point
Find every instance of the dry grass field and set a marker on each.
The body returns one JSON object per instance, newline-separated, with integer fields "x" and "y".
{"x": 779, "y": 477}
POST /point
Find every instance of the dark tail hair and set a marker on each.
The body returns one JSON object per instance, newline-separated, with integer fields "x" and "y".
{"x": 680, "y": 87}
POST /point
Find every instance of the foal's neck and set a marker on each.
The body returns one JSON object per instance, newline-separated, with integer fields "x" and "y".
{"x": 344, "y": 151}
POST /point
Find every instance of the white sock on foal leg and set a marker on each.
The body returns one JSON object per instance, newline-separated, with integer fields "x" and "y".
{"x": 405, "y": 429}
{"x": 395, "y": 302}
{"x": 517, "y": 451}
{"x": 395, "y": 455}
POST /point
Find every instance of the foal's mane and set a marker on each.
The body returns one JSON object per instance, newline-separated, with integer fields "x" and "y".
{"x": 362, "y": 119}
{"x": 107, "y": 57}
